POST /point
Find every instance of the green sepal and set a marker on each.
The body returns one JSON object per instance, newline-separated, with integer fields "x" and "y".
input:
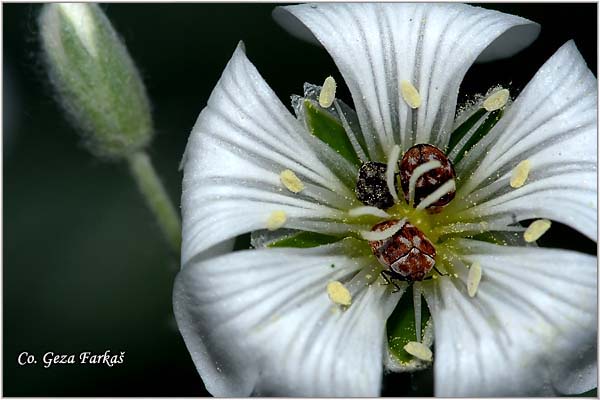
{"x": 465, "y": 127}
{"x": 305, "y": 240}
{"x": 480, "y": 133}
{"x": 329, "y": 130}
{"x": 401, "y": 326}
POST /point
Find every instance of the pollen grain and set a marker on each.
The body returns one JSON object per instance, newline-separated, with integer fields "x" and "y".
{"x": 327, "y": 94}
{"x": 473, "y": 279}
{"x": 419, "y": 350}
{"x": 496, "y": 100}
{"x": 520, "y": 174}
{"x": 276, "y": 220}
{"x": 536, "y": 230}
{"x": 338, "y": 293}
{"x": 291, "y": 181}
{"x": 410, "y": 94}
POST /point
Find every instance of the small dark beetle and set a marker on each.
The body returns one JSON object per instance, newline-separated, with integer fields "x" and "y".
{"x": 431, "y": 180}
{"x": 407, "y": 255}
{"x": 371, "y": 186}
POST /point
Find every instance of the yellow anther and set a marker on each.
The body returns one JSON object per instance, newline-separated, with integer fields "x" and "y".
{"x": 473, "y": 279}
{"x": 410, "y": 94}
{"x": 289, "y": 179}
{"x": 327, "y": 94}
{"x": 419, "y": 350}
{"x": 520, "y": 174}
{"x": 536, "y": 230}
{"x": 276, "y": 220}
{"x": 338, "y": 293}
{"x": 497, "y": 100}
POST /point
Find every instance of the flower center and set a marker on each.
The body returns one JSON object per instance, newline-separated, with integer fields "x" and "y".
{"x": 405, "y": 244}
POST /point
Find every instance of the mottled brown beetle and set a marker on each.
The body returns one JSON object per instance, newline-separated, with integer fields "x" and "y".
{"x": 408, "y": 255}
{"x": 429, "y": 181}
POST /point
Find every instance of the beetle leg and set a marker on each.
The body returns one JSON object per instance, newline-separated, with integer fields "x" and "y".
{"x": 389, "y": 276}
{"x": 384, "y": 275}
{"x": 438, "y": 271}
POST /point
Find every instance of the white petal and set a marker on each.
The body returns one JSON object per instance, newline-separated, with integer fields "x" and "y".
{"x": 553, "y": 124}
{"x": 240, "y": 144}
{"x": 530, "y": 330}
{"x": 260, "y": 322}
{"x": 431, "y": 46}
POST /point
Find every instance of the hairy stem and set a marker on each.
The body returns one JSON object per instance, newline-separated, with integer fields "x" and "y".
{"x": 156, "y": 198}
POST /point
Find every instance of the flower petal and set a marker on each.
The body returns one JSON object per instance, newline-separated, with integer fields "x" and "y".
{"x": 260, "y": 322}
{"x": 241, "y": 143}
{"x": 431, "y": 46}
{"x": 530, "y": 329}
{"x": 553, "y": 124}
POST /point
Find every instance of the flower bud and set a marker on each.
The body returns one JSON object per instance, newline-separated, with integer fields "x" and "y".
{"x": 95, "y": 78}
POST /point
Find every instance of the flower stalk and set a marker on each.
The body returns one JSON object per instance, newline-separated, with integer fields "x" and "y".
{"x": 156, "y": 198}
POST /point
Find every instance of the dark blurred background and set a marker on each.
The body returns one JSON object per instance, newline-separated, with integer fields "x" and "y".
{"x": 85, "y": 266}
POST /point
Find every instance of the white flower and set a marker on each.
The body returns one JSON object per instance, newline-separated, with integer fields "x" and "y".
{"x": 269, "y": 321}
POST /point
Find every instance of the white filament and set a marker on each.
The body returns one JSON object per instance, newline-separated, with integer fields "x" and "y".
{"x": 390, "y": 172}
{"x": 368, "y": 210}
{"x": 438, "y": 194}
{"x": 417, "y": 173}
{"x": 417, "y": 307}
{"x": 483, "y": 226}
{"x": 350, "y": 133}
{"x": 384, "y": 234}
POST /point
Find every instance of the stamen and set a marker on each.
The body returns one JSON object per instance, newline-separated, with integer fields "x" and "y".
{"x": 536, "y": 230}
{"x": 276, "y": 220}
{"x": 438, "y": 194}
{"x": 520, "y": 174}
{"x": 419, "y": 350}
{"x": 350, "y": 133}
{"x": 417, "y": 307}
{"x": 289, "y": 179}
{"x": 477, "y": 227}
{"x": 497, "y": 100}
{"x": 338, "y": 293}
{"x": 390, "y": 173}
{"x": 417, "y": 173}
{"x": 368, "y": 210}
{"x": 384, "y": 234}
{"x": 410, "y": 94}
{"x": 327, "y": 94}
{"x": 473, "y": 279}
